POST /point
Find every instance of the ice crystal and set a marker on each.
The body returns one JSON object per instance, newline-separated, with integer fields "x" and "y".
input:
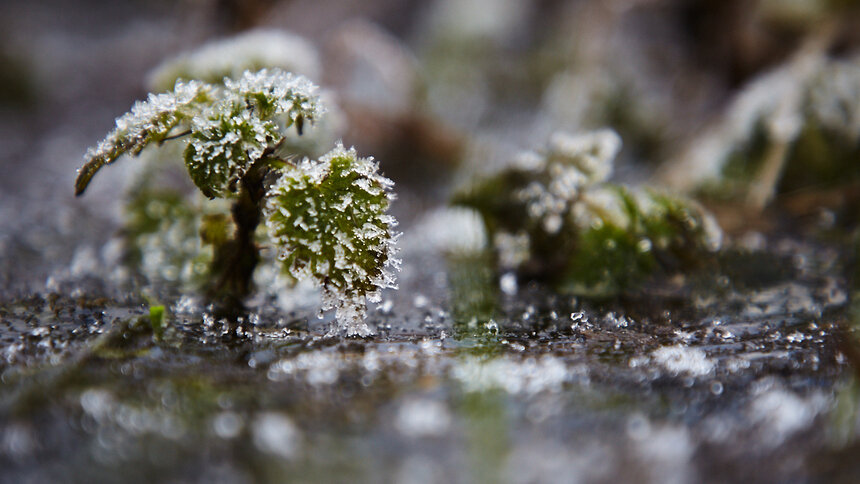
{"x": 273, "y": 91}
{"x": 231, "y": 57}
{"x": 224, "y": 143}
{"x": 229, "y": 137}
{"x": 328, "y": 218}
{"x": 230, "y": 127}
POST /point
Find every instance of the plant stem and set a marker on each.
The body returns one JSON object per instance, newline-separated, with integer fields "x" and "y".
{"x": 234, "y": 261}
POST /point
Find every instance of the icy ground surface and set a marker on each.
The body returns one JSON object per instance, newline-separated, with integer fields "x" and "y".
{"x": 743, "y": 381}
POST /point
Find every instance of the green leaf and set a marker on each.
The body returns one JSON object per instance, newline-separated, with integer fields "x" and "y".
{"x": 328, "y": 219}
{"x": 224, "y": 144}
{"x": 148, "y": 121}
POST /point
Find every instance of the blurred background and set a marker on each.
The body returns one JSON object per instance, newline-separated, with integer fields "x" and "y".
{"x": 750, "y": 106}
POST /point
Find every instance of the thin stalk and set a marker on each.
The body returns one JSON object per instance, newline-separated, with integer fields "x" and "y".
{"x": 234, "y": 261}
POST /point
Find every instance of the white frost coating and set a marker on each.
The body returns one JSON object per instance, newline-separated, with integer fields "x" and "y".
{"x": 294, "y": 95}
{"x": 573, "y": 163}
{"x": 682, "y": 359}
{"x": 591, "y": 152}
{"x": 530, "y": 376}
{"x": 231, "y": 57}
{"x": 211, "y": 141}
{"x": 157, "y": 114}
{"x": 335, "y": 237}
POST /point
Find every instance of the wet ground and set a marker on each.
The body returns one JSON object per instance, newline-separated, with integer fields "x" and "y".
{"x": 744, "y": 381}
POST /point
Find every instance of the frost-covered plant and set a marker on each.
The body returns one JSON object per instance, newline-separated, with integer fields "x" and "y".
{"x": 553, "y": 216}
{"x": 326, "y": 217}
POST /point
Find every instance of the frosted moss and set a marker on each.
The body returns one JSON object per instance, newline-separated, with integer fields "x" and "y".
{"x": 553, "y": 216}
{"x": 327, "y": 217}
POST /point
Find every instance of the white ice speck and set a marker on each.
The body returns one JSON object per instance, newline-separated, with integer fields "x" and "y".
{"x": 530, "y": 376}
{"x": 420, "y": 301}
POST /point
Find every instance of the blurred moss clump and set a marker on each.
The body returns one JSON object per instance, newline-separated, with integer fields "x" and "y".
{"x": 553, "y": 216}
{"x": 792, "y": 135}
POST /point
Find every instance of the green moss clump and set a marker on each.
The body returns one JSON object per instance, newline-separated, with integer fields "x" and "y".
{"x": 553, "y": 216}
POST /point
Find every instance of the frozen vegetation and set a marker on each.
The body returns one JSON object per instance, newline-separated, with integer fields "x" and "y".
{"x": 327, "y": 217}
{"x": 553, "y": 215}
{"x": 629, "y": 248}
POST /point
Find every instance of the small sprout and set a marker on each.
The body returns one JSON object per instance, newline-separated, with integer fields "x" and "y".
{"x": 156, "y": 320}
{"x": 553, "y": 216}
{"x": 326, "y": 218}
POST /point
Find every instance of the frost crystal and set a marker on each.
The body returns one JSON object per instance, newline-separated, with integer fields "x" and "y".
{"x": 230, "y": 127}
{"x": 592, "y": 153}
{"x": 229, "y": 137}
{"x": 273, "y": 92}
{"x": 328, "y": 219}
{"x": 224, "y": 143}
